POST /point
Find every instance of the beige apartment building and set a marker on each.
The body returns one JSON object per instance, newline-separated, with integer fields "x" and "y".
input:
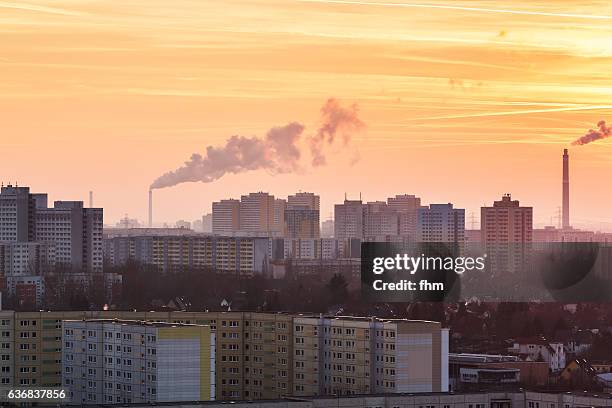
{"x": 506, "y": 233}
{"x": 176, "y": 253}
{"x": 348, "y": 355}
{"x": 259, "y": 355}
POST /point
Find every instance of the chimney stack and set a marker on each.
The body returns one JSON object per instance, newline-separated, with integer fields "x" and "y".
{"x": 150, "y": 208}
{"x": 91, "y": 199}
{"x": 566, "y": 221}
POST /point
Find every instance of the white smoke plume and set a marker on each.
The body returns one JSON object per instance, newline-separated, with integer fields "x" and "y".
{"x": 602, "y": 132}
{"x": 280, "y": 151}
{"x": 336, "y": 119}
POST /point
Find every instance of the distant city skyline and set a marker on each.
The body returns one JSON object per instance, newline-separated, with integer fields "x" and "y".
{"x": 472, "y": 218}
{"x": 460, "y": 104}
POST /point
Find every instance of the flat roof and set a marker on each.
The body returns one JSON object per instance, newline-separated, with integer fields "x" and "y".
{"x": 137, "y": 323}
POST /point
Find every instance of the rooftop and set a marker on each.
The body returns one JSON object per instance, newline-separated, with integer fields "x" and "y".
{"x": 137, "y": 323}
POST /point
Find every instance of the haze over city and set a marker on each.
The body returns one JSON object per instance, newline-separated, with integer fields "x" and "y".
{"x": 461, "y": 102}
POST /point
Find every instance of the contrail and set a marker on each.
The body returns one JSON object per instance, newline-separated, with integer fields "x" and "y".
{"x": 40, "y": 9}
{"x": 517, "y": 112}
{"x": 463, "y": 8}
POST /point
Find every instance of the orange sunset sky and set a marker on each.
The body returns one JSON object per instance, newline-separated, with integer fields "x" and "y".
{"x": 463, "y": 100}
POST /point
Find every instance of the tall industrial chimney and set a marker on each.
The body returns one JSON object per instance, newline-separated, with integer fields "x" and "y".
{"x": 150, "y": 208}
{"x": 91, "y": 199}
{"x": 566, "y": 219}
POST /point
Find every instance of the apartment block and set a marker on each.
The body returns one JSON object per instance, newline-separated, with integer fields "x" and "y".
{"x": 7, "y": 348}
{"x": 507, "y": 232}
{"x": 22, "y": 266}
{"x": 225, "y": 217}
{"x": 304, "y": 199}
{"x": 302, "y": 216}
{"x": 176, "y": 253}
{"x": 125, "y": 361}
{"x": 257, "y": 355}
{"x": 506, "y": 221}
{"x": 279, "y": 224}
{"x": 309, "y": 248}
{"x": 406, "y": 206}
{"x": 302, "y": 222}
{"x": 346, "y": 355}
{"x": 257, "y": 212}
{"x": 254, "y": 213}
{"x": 17, "y": 214}
{"x": 393, "y": 220}
{"x": 441, "y": 223}
{"x": 348, "y": 219}
{"x": 74, "y": 231}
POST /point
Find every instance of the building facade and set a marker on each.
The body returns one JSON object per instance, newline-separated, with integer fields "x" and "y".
{"x": 441, "y": 223}
{"x": 391, "y": 220}
{"x": 344, "y": 356}
{"x": 177, "y": 253}
{"x": 74, "y": 231}
{"x": 257, "y": 355}
{"x": 257, "y": 212}
{"x": 348, "y": 219}
{"x": 226, "y": 217}
{"x": 124, "y": 361}
{"x": 507, "y": 232}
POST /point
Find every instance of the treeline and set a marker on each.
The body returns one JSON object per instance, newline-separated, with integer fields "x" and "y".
{"x": 145, "y": 287}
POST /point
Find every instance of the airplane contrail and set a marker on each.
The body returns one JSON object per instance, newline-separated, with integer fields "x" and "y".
{"x": 517, "y": 112}
{"x": 462, "y": 8}
{"x": 39, "y": 9}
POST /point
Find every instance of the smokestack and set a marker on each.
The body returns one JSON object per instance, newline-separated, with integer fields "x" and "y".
{"x": 150, "y": 208}
{"x": 566, "y": 222}
{"x": 91, "y": 199}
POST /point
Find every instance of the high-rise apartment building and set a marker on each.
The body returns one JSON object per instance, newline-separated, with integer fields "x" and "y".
{"x": 17, "y": 214}
{"x": 379, "y": 221}
{"x": 302, "y": 222}
{"x": 406, "y": 206}
{"x": 506, "y": 221}
{"x": 441, "y": 223}
{"x": 506, "y": 232}
{"x": 327, "y": 229}
{"x": 207, "y": 223}
{"x": 348, "y": 219}
{"x": 395, "y": 219}
{"x": 75, "y": 231}
{"x": 303, "y": 199}
{"x": 302, "y": 216}
{"x": 257, "y": 212}
{"x": 254, "y": 214}
{"x": 108, "y": 361}
{"x": 226, "y": 217}
{"x": 279, "y": 224}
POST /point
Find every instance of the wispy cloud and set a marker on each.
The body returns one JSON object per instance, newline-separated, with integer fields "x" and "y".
{"x": 40, "y": 9}
{"x": 464, "y": 8}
